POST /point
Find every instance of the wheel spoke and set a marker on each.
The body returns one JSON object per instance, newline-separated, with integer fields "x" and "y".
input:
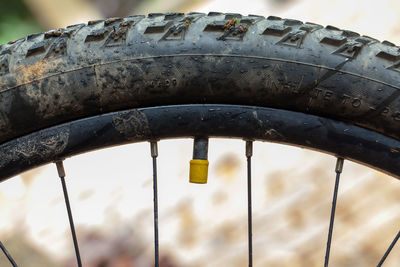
{"x": 61, "y": 174}
{"x": 338, "y": 170}
{"x": 154, "y": 155}
{"x": 249, "y": 153}
{"x": 389, "y": 249}
{"x": 3, "y": 248}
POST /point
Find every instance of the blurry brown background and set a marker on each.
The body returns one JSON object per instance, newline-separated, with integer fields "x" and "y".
{"x": 111, "y": 190}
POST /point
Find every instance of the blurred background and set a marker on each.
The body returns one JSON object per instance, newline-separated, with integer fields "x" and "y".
{"x": 200, "y": 225}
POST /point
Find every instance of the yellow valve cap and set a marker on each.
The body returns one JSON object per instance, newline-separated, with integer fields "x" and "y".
{"x": 198, "y": 171}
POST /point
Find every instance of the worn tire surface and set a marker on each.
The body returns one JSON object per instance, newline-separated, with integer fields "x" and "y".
{"x": 162, "y": 59}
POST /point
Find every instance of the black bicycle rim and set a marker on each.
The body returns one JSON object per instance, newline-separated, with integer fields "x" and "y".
{"x": 233, "y": 121}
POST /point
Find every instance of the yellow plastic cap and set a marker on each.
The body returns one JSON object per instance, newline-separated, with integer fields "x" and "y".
{"x": 198, "y": 171}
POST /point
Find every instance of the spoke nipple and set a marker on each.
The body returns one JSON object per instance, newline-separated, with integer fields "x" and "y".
{"x": 198, "y": 172}
{"x": 60, "y": 168}
{"x": 154, "y": 149}
{"x": 339, "y": 165}
{"x": 249, "y": 149}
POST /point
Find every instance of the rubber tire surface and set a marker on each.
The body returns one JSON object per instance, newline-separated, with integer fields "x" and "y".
{"x": 161, "y": 59}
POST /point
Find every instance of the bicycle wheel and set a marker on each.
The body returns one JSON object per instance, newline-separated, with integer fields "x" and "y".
{"x": 120, "y": 80}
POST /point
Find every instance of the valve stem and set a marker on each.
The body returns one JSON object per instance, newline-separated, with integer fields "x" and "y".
{"x": 199, "y": 164}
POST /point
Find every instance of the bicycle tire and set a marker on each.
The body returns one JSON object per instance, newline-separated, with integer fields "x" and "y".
{"x": 85, "y": 70}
